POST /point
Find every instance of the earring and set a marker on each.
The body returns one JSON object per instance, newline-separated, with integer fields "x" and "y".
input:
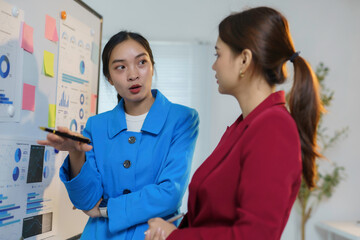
{"x": 241, "y": 74}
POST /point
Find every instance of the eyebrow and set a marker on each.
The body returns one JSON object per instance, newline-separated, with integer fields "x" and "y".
{"x": 123, "y": 60}
{"x": 216, "y": 48}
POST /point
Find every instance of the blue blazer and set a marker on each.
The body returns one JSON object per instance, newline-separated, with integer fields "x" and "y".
{"x": 143, "y": 175}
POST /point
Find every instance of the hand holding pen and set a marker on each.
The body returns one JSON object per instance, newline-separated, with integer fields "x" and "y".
{"x": 65, "y": 140}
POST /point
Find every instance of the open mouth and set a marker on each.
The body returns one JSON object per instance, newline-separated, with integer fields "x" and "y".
{"x": 135, "y": 88}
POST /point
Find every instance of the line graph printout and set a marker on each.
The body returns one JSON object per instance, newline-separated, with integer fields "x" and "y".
{"x": 27, "y": 194}
{"x": 36, "y": 225}
{"x": 11, "y": 61}
{"x": 75, "y": 73}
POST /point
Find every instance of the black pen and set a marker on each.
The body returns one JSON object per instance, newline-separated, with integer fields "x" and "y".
{"x": 61, "y": 134}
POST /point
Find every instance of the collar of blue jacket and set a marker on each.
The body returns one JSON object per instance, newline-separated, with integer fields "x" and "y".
{"x": 154, "y": 121}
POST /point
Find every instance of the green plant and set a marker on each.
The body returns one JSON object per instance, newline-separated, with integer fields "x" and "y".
{"x": 309, "y": 199}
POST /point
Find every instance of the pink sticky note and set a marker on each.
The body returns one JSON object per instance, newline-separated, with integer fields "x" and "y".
{"x": 50, "y": 29}
{"x": 28, "y": 102}
{"x": 93, "y": 103}
{"x": 27, "y": 41}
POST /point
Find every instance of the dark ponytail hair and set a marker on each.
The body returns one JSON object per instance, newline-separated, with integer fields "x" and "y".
{"x": 265, "y": 32}
{"x": 117, "y": 39}
{"x": 305, "y": 107}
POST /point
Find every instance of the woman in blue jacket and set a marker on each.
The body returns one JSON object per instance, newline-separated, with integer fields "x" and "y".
{"x": 138, "y": 163}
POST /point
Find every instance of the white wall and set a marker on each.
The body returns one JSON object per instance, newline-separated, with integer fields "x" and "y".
{"x": 323, "y": 30}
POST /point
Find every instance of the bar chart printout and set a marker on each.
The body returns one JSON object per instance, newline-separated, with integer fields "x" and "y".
{"x": 34, "y": 204}
{"x": 6, "y": 212}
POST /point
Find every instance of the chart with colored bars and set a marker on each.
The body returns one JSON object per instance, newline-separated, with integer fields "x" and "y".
{"x": 5, "y": 100}
{"x": 11, "y": 62}
{"x": 71, "y": 79}
{"x": 75, "y": 75}
{"x": 6, "y": 91}
{"x": 6, "y": 216}
{"x": 64, "y": 100}
{"x": 26, "y": 171}
{"x": 4, "y": 73}
{"x": 35, "y": 203}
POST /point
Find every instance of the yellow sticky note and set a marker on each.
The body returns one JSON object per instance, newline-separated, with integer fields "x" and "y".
{"x": 52, "y": 115}
{"x": 49, "y": 63}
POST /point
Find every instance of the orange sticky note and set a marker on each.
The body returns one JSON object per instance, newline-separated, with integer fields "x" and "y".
{"x": 28, "y": 101}
{"x": 27, "y": 41}
{"x": 93, "y": 103}
{"x": 50, "y": 29}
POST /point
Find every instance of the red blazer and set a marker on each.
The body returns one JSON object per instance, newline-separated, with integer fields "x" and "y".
{"x": 245, "y": 189}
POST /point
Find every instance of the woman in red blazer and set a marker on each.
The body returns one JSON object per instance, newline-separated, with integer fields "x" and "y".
{"x": 247, "y": 186}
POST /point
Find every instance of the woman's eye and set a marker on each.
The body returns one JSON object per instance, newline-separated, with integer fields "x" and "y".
{"x": 216, "y": 55}
{"x": 142, "y": 62}
{"x": 120, "y": 67}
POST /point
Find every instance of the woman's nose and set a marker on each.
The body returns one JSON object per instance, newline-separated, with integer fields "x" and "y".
{"x": 133, "y": 74}
{"x": 132, "y": 78}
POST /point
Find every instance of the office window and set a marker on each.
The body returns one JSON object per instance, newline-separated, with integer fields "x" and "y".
{"x": 174, "y": 67}
{"x": 181, "y": 71}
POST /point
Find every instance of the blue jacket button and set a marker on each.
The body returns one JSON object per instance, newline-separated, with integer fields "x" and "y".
{"x": 126, "y": 191}
{"x": 132, "y": 140}
{"x": 127, "y": 164}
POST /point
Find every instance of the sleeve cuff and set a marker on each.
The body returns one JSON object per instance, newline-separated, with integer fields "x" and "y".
{"x": 78, "y": 187}
{"x": 118, "y": 219}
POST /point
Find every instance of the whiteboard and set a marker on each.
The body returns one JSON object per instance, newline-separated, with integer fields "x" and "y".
{"x": 49, "y": 76}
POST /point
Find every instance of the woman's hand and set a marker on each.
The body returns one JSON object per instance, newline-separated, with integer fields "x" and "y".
{"x": 76, "y": 149}
{"x": 159, "y": 229}
{"x": 65, "y": 144}
{"x": 95, "y": 211}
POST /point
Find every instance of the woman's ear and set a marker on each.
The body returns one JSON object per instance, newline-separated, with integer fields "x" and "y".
{"x": 110, "y": 81}
{"x": 245, "y": 59}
